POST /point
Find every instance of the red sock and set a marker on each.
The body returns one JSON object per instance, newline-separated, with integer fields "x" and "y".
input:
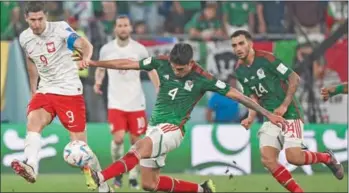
{"x": 168, "y": 184}
{"x": 125, "y": 164}
{"x": 316, "y": 157}
{"x": 284, "y": 177}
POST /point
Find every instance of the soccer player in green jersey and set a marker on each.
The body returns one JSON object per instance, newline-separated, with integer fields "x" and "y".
{"x": 182, "y": 84}
{"x": 267, "y": 80}
{"x": 328, "y": 92}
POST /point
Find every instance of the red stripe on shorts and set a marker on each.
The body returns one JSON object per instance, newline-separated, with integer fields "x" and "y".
{"x": 170, "y": 128}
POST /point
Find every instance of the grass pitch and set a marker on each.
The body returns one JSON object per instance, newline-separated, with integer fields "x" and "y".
{"x": 251, "y": 183}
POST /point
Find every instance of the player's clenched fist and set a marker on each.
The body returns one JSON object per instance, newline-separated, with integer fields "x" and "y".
{"x": 325, "y": 93}
{"x": 83, "y": 64}
{"x": 247, "y": 123}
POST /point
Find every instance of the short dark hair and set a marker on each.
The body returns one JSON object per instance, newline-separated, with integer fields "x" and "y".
{"x": 123, "y": 16}
{"x": 181, "y": 54}
{"x": 35, "y": 6}
{"x": 242, "y": 32}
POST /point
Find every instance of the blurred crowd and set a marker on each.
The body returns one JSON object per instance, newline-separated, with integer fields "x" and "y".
{"x": 199, "y": 19}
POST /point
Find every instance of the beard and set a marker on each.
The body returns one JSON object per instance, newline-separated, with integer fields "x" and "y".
{"x": 123, "y": 38}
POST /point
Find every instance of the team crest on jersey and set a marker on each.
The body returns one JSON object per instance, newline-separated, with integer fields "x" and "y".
{"x": 50, "y": 47}
{"x": 260, "y": 73}
{"x": 188, "y": 85}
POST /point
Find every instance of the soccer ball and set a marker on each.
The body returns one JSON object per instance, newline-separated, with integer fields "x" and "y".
{"x": 77, "y": 153}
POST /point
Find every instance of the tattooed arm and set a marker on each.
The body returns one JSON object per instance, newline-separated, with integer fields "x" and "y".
{"x": 248, "y": 102}
{"x": 293, "y": 82}
{"x": 251, "y": 113}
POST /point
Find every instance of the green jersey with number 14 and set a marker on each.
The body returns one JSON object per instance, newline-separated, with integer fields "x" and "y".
{"x": 178, "y": 96}
{"x": 267, "y": 78}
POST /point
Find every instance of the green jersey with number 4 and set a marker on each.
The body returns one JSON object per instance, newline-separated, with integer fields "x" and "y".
{"x": 178, "y": 96}
{"x": 267, "y": 78}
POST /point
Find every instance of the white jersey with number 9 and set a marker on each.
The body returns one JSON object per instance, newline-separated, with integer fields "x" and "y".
{"x": 51, "y": 52}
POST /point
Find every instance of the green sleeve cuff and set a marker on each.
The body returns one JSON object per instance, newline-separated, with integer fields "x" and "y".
{"x": 339, "y": 90}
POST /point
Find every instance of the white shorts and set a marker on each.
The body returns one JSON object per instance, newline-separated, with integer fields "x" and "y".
{"x": 272, "y": 135}
{"x": 165, "y": 137}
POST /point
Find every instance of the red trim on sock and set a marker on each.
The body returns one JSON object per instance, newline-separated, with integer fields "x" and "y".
{"x": 306, "y": 158}
{"x": 118, "y": 167}
{"x": 168, "y": 184}
{"x": 283, "y": 176}
{"x": 316, "y": 157}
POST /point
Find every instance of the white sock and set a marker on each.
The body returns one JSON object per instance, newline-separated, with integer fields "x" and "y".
{"x": 94, "y": 164}
{"x": 133, "y": 174}
{"x": 200, "y": 189}
{"x": 32, "y": 146}
{"x": 116, "y": 150}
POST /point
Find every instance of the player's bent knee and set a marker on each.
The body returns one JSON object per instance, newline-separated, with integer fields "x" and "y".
{"x": 269, "y": 158}
{"x": 36, "y": 124}
{"x": 294, "y": 156}
{"x": 143, "y": 147}
{"x": 119, "y": 136}
{"x": 149, "y": 185}
{"x": 38, "y": 119}
{"x": 269, "y": 163}
{"x": 118, "y": 141}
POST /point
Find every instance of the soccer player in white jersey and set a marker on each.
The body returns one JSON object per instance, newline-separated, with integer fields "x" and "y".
{"x": 48, "y": 48}
{"x": 126, "y": 102}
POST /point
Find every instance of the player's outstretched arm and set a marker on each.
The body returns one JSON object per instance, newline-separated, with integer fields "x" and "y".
{"x": 249, "y": 103}
{"x": 120, "y": 64}
{"x": 328, "y": 92}
{"x": 33, "y": 75}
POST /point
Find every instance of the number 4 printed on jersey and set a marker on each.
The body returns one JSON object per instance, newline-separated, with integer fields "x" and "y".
{"x": 173, "y": 93}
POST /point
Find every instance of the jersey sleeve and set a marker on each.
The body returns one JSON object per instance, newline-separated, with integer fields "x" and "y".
{"x": 280, "y": 69}
{"x": 216, "y": 85}
{"x": 102, "y": 53}
{"x": 68, "y": 34}
{"x": 21, "y": 40}
{"x": 149, "y": 64}
{"x": 145, "y": 53}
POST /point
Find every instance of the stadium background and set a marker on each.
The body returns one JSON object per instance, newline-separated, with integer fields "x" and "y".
{"x": 226, "y": 152}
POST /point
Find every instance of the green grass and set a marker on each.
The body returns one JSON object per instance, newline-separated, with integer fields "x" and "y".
{"x": 250, "y": 183}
